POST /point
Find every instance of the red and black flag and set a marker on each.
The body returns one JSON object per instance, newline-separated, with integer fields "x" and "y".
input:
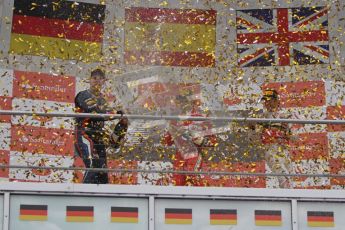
{"x": 320, "y": 219}
{"x": 268, "y": 217}
{"x": 58, "y": 29}
{"x": 31, "y": 212}
{"x": 223, "y": 216}
{"x": 79, "y": 214}
{"x": 178, "y": 216}
{"x": 124, "y": 214}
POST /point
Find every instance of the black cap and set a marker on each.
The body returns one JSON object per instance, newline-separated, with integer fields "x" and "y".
{"x": 97, "y": 72}
{"x": 269, "y": 94}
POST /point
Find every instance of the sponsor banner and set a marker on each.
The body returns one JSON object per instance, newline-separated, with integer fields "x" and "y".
{"x": 122, "y": 178}
{"x": 336, "y": 113}
{"x": 223, "y": 217}
{"x": 6, "y": 82}
{"x": 312, "y": 166}
{"x": 39, "y": 140}
{"x": 79, "y": 214}
{"x": 124, "y": 215}
{"x": 170, "y": 37}
{"x": 234, "y": 181}
{"x": 78, "y": 175}
{"x": 5, "y": 136}
{"x": 336, "y": 141}
{"x": 335, "y": 91}
{"x": 155, "y": 178}
{"x": 231, "y": 100}
{"x": 320, "y": 219}
{"x": 70, "y": 31}
{"x": 42, "y": 106}
{"x": 178, "y": 216}
{"x": 29, "y": 212}
{"x": 268, "y": 218}
{"x": 240, "y": 97}
{"x": 5, "y": 104}
{"x": 307, "y": 113}
{"x": 41, "y": 86}
{"x": 40, "y": 175}
{"x": 309, "y": 146}
{"x": 337, "y": 166}
{"x": 299, "y": 94}
{"x": 4, "y": 160}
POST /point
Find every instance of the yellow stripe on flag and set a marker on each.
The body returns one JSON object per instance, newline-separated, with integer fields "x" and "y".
{"x": 223, "y": 222}
{"x": 320, "y": 224}
{"x": 170, "y": 37}
{"x": 79, "y": 218}
{"x": 124, "y": 219}
{"x": 55, "y": 47}
{"x": 267, "y": 223}
{"x": 33, "y": 217}
{"x": 178, "y": 221}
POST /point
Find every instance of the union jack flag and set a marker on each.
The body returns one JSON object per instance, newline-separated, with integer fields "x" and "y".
{"x": 295, "y": 36}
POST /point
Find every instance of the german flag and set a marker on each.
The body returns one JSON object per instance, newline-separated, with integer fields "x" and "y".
{"x": 79, "y": 214}
{"x": 57, "y": 29}
{"x": 170, "y": 37}
{"x": 223, "y": 216}
{"x": 268, "y": 218}
{"x": 320, "y": 219}
{"x": 124, "y": 215}
{"x": 29, "y": 212}
{"x": 178, "y": 216}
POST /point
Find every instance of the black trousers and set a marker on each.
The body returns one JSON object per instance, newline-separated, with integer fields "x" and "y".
{"x": 88, "y": 148}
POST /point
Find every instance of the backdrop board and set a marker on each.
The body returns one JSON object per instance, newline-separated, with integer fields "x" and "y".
{"x": 320, "y": 215}
{"x": 77, "y": 213}
{"x": 221, "y": 215}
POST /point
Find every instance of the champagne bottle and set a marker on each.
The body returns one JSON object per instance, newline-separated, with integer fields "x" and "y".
{"x": 119, "y": 133}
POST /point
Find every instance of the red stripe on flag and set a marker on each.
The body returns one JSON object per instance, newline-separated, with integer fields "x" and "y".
{"x": 83, "y": 31}
{"x": 247, "y": 23}
{"x": 257, "y": 53}
{"x": 79, "y": 213}
{"x": 308, "y": 36}
{"x": 178, "y": 216}
{"x": 283, "y": 27}
{"x": 319, "y": 50}
{"x": 319, "y": 15}
{"x": 124, "y": 214}
{"x": 158, "y": 15}
{"x": 34, "y": 212}
{"x": 321, "y": 218}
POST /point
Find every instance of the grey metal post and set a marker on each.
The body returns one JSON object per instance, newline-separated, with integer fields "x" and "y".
{"x": 151, "y": 212}
{"x": 6, "y": 216}
{"x": 294, "y": 214}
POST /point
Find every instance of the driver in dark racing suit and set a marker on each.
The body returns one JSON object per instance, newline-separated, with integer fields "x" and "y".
{"x": 90, "y": 133}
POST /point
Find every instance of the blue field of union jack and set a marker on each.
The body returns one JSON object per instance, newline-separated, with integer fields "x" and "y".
{"x": 283, "y": 37}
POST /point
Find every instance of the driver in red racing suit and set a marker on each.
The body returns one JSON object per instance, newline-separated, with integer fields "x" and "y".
{"x": 191, "y": 139}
